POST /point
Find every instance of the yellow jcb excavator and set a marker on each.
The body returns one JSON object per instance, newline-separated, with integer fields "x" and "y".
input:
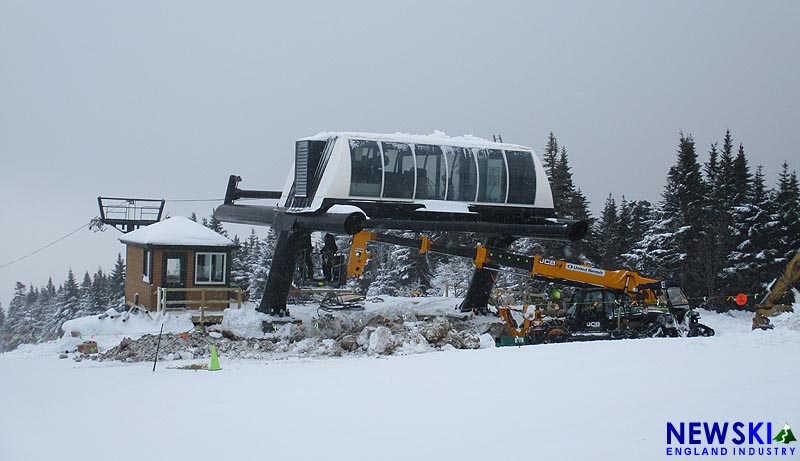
{"x": 771, "y": 303}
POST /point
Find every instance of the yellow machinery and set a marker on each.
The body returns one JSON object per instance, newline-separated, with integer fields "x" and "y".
{"x": 618, "y": 303}
{"x": 771, "y": 303}
{"x": 538, "y": 267}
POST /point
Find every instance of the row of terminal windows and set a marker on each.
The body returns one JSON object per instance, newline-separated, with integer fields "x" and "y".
{"x": 431, "y": 172}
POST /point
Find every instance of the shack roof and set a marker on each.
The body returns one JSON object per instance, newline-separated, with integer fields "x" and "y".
{"x": 176, "y": 231}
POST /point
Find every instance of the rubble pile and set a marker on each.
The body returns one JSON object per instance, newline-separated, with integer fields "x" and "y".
{"x": 327, "y": 336}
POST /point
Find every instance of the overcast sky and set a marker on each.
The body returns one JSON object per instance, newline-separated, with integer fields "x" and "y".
{"x": 166, "y": 99}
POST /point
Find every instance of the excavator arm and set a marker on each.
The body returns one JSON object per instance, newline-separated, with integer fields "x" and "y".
{"x": 553, "y": 270}
{"x": 770, "y": 306}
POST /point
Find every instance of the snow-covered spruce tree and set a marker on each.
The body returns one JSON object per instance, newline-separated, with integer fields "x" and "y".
{"x": 450, "y": 269}
{"x": 568, "y": 201}
{"x": 116, "y": 284}
{"x": 68, "y": 301}
{"x": 2, "y": 315}
{"x": 216, "y": 225}
{"x": 787, "y": 232}
{"x": 684, "y": 204}
{"x": 382, "y": 271}
{"x": 85, "y": 295}
{"x": 749, "y": 263}
{"x": 641, "y": 211}
{"x": 550, "y": 157}
{"x": 49, "y": 290}
{"x": 607, "y": 244}
{"x": 15, "y": 317}
{"x": 238, "y": 269}
{"x": 101, "y": 298}
{"x": 675, "y": 233}
{"x": 728, "y": 184}
{"x": 258, "y": 263}
{"x": 413, "y": 269}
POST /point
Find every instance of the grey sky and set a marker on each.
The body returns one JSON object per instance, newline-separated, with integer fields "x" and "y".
{"x": 166, "y": 99}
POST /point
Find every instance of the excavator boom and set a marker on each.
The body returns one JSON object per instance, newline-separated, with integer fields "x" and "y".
{"x": 771, "y": 304}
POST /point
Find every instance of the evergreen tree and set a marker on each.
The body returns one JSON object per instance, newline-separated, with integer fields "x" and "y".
{"x": 68, "y": 301}
{"x": 193, "y": 216}
{"x": 749, "y": 263}
{"x": 551, "y": 155}
{"x": 608, "y": 245}
{"x": 238, "y": 269}
{"x": 728, "y": 189}
{"x": 117, "y": 283}
{"x": 684, "y": 199}
{"x": 16, "y": 309}
{"x": 100, "y": 292}
{"x": 672, "y": 245}
{"x": 2, "y": 316}
{"x": 413, "y": 271}
{"x": 568, "y": 201}
{"x": 215, "y": 225}
{"x": 711, "y": 168}
{"x": 50, "y": 289}
{"x": 787, "y": 201}
{"x": 259, "y": 262}
{"x": 741, "y": 178}
{"x": 85, "y": 296}
{"x": 383, "y": 267}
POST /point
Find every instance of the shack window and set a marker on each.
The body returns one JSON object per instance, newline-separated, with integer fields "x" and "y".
{"x": 147, "y": 265}
{"x": 209, "y": 268}
{"x": 398, "y": 163}
{"x": 492, "y": 170}
{"x": 521, "y": 177}
{"x": 463, "y": 179}
{"x": 431, "y": 173}
{"x": 365, "y": 169}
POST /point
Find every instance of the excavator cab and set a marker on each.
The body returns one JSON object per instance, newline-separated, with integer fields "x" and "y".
{"x": 591, "y": 309}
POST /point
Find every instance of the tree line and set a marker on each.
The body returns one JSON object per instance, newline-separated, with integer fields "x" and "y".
{"x": 36, "y": 313}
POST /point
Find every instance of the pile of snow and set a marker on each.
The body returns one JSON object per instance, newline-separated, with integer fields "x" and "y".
{"x": 109, "y": 329}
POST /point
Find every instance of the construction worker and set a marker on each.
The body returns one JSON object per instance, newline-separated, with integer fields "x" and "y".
{"x": 329, "y": 251}
{"x": 306, "y": 262}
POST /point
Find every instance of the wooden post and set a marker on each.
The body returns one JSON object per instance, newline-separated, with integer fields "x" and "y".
{"x": 239, "y": 298}
{"x": 203, "y": 308}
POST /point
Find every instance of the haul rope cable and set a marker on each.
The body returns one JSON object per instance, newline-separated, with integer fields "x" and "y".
{"x": 89, "y": 224}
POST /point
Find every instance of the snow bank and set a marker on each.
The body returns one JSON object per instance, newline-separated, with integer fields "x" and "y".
{"x": 108, "y": 330}
{"x": 614, "y": 396}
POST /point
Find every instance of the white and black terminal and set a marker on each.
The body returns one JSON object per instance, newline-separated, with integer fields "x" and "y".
{"x": 343, "y": 183}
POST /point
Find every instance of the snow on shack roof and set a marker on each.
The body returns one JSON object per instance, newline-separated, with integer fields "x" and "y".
{"x": 437, "y": 138}
{"x": 176, "y": 231}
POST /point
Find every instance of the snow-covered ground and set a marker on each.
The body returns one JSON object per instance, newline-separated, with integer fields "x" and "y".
{"x": 598, "y": 400}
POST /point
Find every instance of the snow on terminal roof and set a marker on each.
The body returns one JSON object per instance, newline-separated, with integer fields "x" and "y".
{"x": 176, "y": 231}
{"x": 436, "y": 138}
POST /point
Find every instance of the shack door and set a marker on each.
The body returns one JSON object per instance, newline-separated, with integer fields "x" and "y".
{"x": 174, "y": 277}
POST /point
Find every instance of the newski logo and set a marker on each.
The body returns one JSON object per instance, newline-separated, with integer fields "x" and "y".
{"x": 727, "y": 438}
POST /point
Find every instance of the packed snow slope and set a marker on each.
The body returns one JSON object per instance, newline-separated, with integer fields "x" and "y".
{"x": 574, "y": 401}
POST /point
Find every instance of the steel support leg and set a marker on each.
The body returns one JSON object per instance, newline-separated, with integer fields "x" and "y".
{"x": 279, "y": 281}
{"x": 480, "y": 287}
